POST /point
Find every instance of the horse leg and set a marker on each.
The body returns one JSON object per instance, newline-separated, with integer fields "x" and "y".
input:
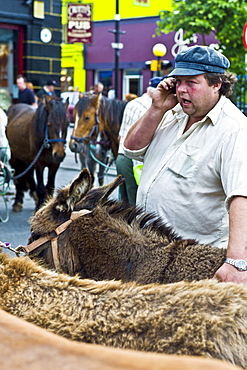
{"x": 91, "y": 164}
{"x": 87, "y": 161}
{"x": 32, "y": 185}
{"x": 20, "y": 183}
{"x": 19, "y": 195}
{"x": 50, "y": 186}
{"x": 82, "y": 159}
{"x": 41, "y": 190}
{"x": 101, "y": 174}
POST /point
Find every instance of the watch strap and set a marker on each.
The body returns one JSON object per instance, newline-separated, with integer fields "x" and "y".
{"x": 236, "y": 263}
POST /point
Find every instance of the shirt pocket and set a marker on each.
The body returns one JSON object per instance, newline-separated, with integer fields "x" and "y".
{"x": 184, "y": 161}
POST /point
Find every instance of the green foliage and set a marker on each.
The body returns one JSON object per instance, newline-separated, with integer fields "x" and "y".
{"x": 225, "y": 18}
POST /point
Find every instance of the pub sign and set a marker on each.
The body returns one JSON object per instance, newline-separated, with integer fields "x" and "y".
{"x": 79, "y": 28}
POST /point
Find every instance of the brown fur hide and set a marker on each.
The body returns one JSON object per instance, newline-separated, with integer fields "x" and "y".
{"x": 202, "y": 318}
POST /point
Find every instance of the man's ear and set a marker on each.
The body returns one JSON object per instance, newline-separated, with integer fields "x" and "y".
{"x": 217, "y": 85}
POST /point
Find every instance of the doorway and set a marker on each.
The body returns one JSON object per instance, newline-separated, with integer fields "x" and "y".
{"x": 132, "y": 83}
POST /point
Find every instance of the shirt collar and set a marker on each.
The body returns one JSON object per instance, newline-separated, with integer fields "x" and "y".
{"x": 213, "y": 114}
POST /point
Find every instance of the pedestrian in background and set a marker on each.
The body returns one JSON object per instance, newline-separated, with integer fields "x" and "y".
{"x": 26, "y": 95}
{"x": 111, "y": 93}
{"x": 98, "y": 88}
{"x": 132, "y": 112}
{"x": 48, "y": 89}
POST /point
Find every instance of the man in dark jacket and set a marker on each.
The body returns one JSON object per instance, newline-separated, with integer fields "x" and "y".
{"x": 48, "y": 89}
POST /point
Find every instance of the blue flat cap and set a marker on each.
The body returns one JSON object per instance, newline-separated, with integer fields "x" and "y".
{"x": 199, "y": 59}
{"x": 153, "y": 82}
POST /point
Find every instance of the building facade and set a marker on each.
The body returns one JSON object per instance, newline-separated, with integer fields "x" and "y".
{"x": 30, "y": 43}
{"x": 86, "y": 64}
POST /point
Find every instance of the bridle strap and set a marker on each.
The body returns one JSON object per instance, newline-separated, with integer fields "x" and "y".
{"x": 94, "y": 131}
{"x": 54, "y": 249}
{"x": 30, "y": 247}
{"x": 48, "y": 141}
{"x": 61, "y": 228}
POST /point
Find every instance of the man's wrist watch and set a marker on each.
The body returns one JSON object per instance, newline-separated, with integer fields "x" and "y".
{"x": 241, "y": 265}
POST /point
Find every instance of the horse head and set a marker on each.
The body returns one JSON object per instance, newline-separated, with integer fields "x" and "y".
{"x": 56, "y": 126}
{"x": 86, "y": 122}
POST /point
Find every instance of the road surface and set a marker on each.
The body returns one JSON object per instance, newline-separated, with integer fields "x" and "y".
{"x": 16, "y": 229}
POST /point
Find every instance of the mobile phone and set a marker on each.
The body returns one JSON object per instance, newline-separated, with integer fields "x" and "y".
{"x": 174, "y": 88}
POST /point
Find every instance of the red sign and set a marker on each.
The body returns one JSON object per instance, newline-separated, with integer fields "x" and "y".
{"x": 79, "y": 28}
{"x": 245, "y": 35}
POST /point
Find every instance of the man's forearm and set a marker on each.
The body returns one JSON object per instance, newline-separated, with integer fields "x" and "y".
{"x": 141, "y": 133}
{"x": 237, "y": 245}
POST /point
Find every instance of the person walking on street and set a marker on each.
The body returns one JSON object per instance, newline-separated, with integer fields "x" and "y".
{"x": 26, "y": 95}
{"x": 193, "y": 146}
{"x": 124, "y": 165}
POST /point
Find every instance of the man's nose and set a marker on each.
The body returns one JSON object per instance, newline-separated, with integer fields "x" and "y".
{"x": 181, "y": 87}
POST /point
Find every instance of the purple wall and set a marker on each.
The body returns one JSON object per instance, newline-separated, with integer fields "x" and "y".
{"x": 138, "y": 43}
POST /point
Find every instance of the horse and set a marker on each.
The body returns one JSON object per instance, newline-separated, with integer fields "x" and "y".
{"x": 37, "y": 140}
{"x": 81, "y": 231}
{"x": 92, "y": 115}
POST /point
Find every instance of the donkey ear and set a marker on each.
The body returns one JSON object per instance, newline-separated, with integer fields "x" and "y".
{"x": 74, "y": 192}
{"x": 107, "y": 190}
{"x": 80, "y": 186}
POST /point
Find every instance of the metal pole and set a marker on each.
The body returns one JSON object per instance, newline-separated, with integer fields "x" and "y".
{"x": 117, "y": 21}
{"x": 158, "y": 66}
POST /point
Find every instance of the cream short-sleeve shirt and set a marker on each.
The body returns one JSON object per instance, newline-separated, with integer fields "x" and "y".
{"x": 189, "y": 178}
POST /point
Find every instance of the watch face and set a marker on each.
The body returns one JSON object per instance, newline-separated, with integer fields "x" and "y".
{"x": 241, "y": 264}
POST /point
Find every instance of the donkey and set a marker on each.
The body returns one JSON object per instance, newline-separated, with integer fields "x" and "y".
{"x": 203, "y": 318}
{"x": 112, "y": 240}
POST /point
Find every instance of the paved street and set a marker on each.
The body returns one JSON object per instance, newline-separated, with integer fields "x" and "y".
{"x": 16, "y": 230}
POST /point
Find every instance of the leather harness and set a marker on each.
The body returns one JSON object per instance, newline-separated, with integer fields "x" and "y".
{"x": 54, "y": 244}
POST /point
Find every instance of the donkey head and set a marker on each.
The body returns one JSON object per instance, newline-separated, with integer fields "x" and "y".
{"x": 75, "y": 196}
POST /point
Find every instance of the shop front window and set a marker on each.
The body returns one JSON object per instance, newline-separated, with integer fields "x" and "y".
{"x": 106, "y": 78}
{"x": 9, "y": 55}
{"x": 67, "y": 79}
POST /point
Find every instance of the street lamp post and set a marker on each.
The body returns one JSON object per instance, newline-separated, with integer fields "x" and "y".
{"x": 117, "y": 45}
{"x": 159, "y": 50}
{"x": 117, "y": 53}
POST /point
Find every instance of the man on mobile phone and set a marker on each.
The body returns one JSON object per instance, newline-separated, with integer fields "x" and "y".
{"x": 193, "y": 146}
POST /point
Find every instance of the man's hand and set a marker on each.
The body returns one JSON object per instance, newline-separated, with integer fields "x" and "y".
{"x": 163, "y": 96}
{"x": 227, "y": 273}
